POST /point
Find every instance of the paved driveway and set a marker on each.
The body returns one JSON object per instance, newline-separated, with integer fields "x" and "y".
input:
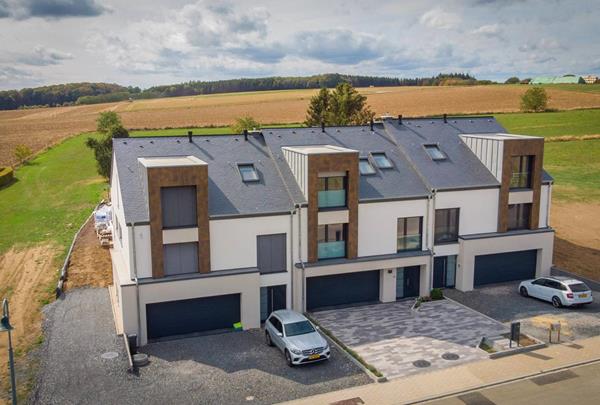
{"x": 503, "y": 303}
{"x": 83, "y": 362}
{"x": 391, "y": 337}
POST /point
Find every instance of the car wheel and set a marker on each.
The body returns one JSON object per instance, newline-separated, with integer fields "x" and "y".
{"x": 288, "y": 359}
{"x": 268, "y": 339}
{"x": 524, "y": 292}
{"x": 556, "y": 302}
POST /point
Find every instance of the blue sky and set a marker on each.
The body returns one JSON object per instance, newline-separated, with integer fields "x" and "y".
{"x": 160, "y": 42}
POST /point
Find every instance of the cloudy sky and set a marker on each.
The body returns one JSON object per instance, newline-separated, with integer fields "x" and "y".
{"x": 152, "y": 42}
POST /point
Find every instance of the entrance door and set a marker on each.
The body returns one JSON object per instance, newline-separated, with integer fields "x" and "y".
{"x": 444, "y": 271}
{"x": 408, "y": 281}
{"x": 271, "y": 299}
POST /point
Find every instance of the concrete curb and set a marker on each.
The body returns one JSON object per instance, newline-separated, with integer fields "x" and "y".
{"x": 519, "y": 350}
{"x": 505, "y": 381}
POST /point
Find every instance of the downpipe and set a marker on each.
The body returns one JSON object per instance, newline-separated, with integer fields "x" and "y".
{"x": 137, "y": 286}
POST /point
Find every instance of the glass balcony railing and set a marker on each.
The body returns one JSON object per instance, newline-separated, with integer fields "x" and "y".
{"x": 409, "y": 242}
{"x": 330, "y": 250}
{"x": 520, "y": 180}
{"x": 332, "y": 198}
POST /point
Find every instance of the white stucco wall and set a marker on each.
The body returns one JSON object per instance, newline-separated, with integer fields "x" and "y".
{"x": 378, "y": 225}
{"x": 478, "y": 209}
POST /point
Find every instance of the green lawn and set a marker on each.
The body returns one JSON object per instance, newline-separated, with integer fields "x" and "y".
{"x": 51, "y": 197}
{"x": 575, "y": 122}
{"x": 197, "y": 130}
{"x": 584, "y": 88}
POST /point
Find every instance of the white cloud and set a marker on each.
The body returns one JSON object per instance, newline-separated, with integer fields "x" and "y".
{"x": 41, "y": 56}
{"x": 440, "y": 19}
{"x": 489, "y": 30}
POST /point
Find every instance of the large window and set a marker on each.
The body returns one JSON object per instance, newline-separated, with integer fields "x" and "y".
{"x": 521, "y": 172}
{"x": 409, "y": 233}
{"x": 331, "y": 241}
{"x": 178, "y": 205}
{"x": 518, "y": 216}
{"x": 180, "y": 258}
{"x": 332, "y": 192}
{"x": 271, "y": 253}
{"x": 248, "y": 172}
{"x": 446, "y": 225}
{"x": 365, "y": 167}
{"x": 434, "y": 152}
{"x": 381, "y": 160}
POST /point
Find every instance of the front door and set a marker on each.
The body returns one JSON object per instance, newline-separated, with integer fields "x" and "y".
{"x": 408, "y": 282}
{"x": 444, "y": 271}
{"x": 271, "y": 299}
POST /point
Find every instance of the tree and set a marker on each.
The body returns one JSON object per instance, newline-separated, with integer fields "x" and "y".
{"x": 118, "y": 132}
{"x": 247, "y": 123}
{"x": 512, "y": 80}
{"x": 535, "y": 99}
{"x": 343, "y": 106}
{"x": 106, "y": 120}
{"x": 22, "y": 152}
{"x": 317, "y": 109}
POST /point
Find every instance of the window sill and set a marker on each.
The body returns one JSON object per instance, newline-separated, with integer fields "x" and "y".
{"x": 170, "y": 228}
{"x": 518, "y": 189}
{"x": 450, "y": 242}
{"x": 338, "y": 208}
{"x": 263, "y": 273}
{"x": 420, "y": 248}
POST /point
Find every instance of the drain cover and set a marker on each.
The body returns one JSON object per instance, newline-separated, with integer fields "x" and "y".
{"x": 421, "y": 363}
{"x": 110, "y": 355}
{"x": 450, "y": 356}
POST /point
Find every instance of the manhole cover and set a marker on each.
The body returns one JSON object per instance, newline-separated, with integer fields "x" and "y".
{"x": 450, "y": 356}
{"x": 421, "y": 363}
{"x": 110, "y": 355}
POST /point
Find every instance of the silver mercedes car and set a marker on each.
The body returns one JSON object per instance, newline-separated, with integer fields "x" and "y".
{"x": 296, "y": 337}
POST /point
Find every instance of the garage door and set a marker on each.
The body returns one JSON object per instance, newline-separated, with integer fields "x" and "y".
{"x": 502, "y": 267}
{"x": 192, "y": 316}
{"x": 342, "y": 289}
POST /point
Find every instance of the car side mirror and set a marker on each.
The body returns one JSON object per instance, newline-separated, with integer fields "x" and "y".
{"x": 279, "y": 334}
{"x": 317, "y": 327}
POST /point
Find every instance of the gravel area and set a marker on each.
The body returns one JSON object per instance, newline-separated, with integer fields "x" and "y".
{"x": 231, "y": 368}
{"x": 503, "y": 303}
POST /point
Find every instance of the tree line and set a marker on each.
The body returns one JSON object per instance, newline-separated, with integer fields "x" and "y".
{"x": 94, "y": 93}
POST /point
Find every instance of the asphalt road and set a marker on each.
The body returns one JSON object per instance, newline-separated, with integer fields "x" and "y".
{"x": 577, "y": 385}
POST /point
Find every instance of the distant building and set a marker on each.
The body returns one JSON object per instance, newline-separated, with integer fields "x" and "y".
{"x": 567, "y": 79}
{"x": 590, "y": 79}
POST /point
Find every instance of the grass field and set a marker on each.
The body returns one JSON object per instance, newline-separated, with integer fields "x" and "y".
{"x": 584, "y": 88}
{"x": 577, "y": 122}
{"x": 196, "y": 130}
{"x": 39, "y": 128}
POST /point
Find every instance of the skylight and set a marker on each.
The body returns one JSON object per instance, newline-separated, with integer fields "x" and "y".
{"x": 381, "y": 160}
{"x": 365, "y": 167}
{"x": 248, "y": 172}
{"x": 434, "y": 152}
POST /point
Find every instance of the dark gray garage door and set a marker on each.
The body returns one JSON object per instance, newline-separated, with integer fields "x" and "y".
{"x": 502, "y": 267}
{"x": 192, "y": 316}
{"x": 342, "y": 289}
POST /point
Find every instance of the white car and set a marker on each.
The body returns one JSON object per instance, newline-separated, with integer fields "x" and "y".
{"x": 560, "y": 291}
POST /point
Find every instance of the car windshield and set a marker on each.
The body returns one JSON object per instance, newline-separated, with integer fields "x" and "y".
{"x": 579, "y": 287}
{"x": 298, "y": 328}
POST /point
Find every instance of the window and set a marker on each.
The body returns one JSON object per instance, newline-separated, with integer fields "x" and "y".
{"x": 518, "y": 216}
{"x": 365, "y": 167}
{"x": 180, "y": 258}
{"x": 381, "y": 160}
{"x": 298, "y": 328}
{"x": 579, "y": 287}
{"x": 276, "y": 324}
{"x": 178, "y": 205}
{"x": 434, "y": 152}
{"x": 540, "y": 282}
{"x": 271, "y": 253}
{"x": 521, "y": 172}
{"x": 331, "y": 241}
{"x": 409, "y": 233}
{"x": 332, "y": 192}
{"x": 248, "y": 172}
{"x": 446, "y": 225}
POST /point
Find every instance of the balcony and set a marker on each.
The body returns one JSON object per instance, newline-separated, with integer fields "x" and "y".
{"x": 332, "y": 198}
{"x": 331, "y": 250}
{"x": 409, "y": 242}
{"x": 520, "y": 180}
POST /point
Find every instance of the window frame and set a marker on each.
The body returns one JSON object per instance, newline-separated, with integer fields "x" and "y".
{"x": 524, "y": 161}
{"x": 251, "y": 165}
{"x": 434, "y": 146}
{"x": 436, "y": 239}
{"x": 516, "y": 224}
{"x": 167, "y": 224}
{"x": 389, "y": 161}
{"x": 368, "y": 162}
{"x": 327, "y": 188}
{"x": 405, "y": 227}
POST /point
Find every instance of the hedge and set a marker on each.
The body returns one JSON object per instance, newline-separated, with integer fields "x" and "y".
{"x": 6, "y": 175}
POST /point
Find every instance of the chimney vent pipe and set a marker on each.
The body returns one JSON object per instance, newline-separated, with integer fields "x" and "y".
{"x": 245, "y": 134}
{"x": 445, "y": 118}
{"x": 371, "y": 123}
{"x": 190, "y": 136}
{"x": 399, "y": 119}
{"x": 322, "y": 126}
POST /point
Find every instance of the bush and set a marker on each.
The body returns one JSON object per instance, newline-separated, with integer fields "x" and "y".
{"x": 22, "y": 152}
{"x": 6, "y": 175}
{"x": 437, "y": 294}
{"x": 512, "y": 80}
{"x": 535, "y": 99}
{"x": 244, "y": 123}
{"x": 118, "y": 132}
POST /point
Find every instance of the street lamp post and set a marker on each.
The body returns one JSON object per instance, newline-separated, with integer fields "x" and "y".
{"x": 5, "y": 326}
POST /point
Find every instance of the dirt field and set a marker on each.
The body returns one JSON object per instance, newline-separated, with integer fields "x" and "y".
{"x": 577, "y": 243}
{"x": 25, "y": 275}
{"x": 90, "y": 263}
{"x": 40, "y": 128}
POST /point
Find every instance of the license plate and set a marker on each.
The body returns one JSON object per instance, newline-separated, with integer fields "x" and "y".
{"x": 582, "y": 295}
{"x": 313, "y": 357}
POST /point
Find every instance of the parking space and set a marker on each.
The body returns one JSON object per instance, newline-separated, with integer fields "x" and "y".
{"x": 399, "y": 342}
{"x": 503, "y": 303}
{"x": 83, "y": 361}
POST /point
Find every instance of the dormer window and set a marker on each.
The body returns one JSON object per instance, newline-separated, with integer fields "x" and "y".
{"x": 434, "y": 152}
{"x": 365, "y": 167}
{"x": 381, "y": 160}
{"x": 248, "y": 172}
